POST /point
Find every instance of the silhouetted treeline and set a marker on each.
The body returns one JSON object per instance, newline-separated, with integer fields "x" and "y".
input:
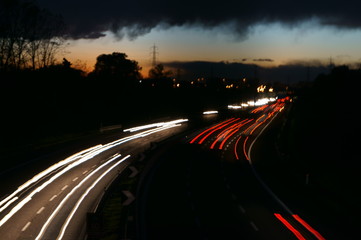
{"x": 59, "y": 99}
{"x": 30, "y": 36}
{"x": 42, "y": 102}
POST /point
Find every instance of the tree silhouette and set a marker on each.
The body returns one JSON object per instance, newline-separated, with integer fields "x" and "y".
{"x": 29, "y": 36}
{"x": 66, "y": 63}
{"x": 117, "y": 68}
{"x": 158, "y": 72}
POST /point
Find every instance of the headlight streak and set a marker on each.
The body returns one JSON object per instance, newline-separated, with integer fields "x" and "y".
{"x": 46, "y": 172}
{"x": 263, "y": 129}
{"x": 73, "y": 161}
{"x": 63, "y": 229}
{"x": 160, "y": 124}
{"x": 256, "y": 103}
{"x": 235, "y": 106}
{"x": 14, "y": 210}
{"x": 247, "y": 154}
{"x": 45, "y": 184}
{"x": 61, "y": 204}
{"x": 210, "y": 112}
{"x": 8, "y": 203}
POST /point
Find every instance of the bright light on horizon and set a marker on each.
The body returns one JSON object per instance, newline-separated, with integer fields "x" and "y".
{"x": 210, "y": 112}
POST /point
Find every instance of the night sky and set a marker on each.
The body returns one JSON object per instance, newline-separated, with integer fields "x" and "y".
{"x": 266, "y": 33}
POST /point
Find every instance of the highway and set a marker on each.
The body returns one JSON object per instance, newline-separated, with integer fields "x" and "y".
{"x": 201, "y": 185}
{"x": 206, "y": 187}
{"x": 53, "y": 203}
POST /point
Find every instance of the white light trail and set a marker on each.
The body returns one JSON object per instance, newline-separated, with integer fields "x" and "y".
{"x": 46, "y": 172}
{"x": 52, "y": 179}
{"x": 210, "y": 112}
{"x": 67, "y": 221}
{"x": 160, "y": 124}
{"x": 234, "y": 107}
{"x": 8, "y": 203}
{"x": 261, "y": 101}
{"x": 14, "y": 210}
{"x": 61, "y": 204}
{"x": 73, "y": 161}
{"x": 258, "y": 102}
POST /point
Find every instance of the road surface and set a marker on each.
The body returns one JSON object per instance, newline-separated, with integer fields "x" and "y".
{"x": 202, "y": 187}
{"x": 205, "y": 187}
{"x": 53, "y": 203}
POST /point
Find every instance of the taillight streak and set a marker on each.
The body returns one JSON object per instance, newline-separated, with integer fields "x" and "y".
{"x": 207, "y": 130}
{"x": 259, "y": 109}
{"x": 218, "y": 128}
{"x": 235, "y": 147}
{"x": 289, "y": 226}
{"x": 224, "y": 133}
{"x": 308, "y": 227}
{"x": 235, "y": 131}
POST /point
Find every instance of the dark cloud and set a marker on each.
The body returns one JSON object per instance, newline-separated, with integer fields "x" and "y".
{"x": 131, "y": 18}
{"x": 288, "y": 73}
{"x": 263, "y": 60}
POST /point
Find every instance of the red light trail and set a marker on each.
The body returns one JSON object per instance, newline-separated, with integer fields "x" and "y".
{"x": 289, "y": 226}
{"x": 308, "y": 227}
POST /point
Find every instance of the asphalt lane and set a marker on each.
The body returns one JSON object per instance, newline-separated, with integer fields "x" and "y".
{"x": 201, "y": 189}
{"x": 40, "y": 210}
{"x": 194, "y": 195}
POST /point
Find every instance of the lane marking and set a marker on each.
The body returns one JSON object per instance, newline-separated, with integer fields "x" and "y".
{"x": 70, "y": 216}
{"x": 242, "y": 209}
{"x": 85, "y": 172}
{"x": 71, "y": 162}
{"x": 254, "y": 226}
{"x": 40, "y": 210}
{"x": 94, "y": 166}
{"x": 39, "y": 176}
{"x": 248, "y": 156}
{"x": 25, "y": 227}
{"x": 75, "y": 179}
{"x": 65, "y": 187}
{"x": 52, "y": 198}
